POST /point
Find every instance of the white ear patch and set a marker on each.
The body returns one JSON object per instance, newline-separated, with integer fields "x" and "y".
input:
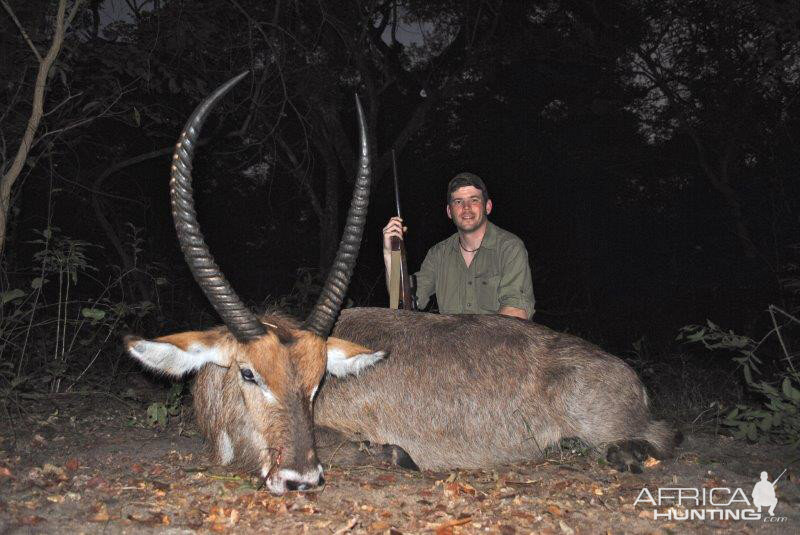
{"x": 341, "y": 364}
{"x": 171, "y": 360}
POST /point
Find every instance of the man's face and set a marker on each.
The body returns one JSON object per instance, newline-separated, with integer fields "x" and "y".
{"x": 467, "y": 209}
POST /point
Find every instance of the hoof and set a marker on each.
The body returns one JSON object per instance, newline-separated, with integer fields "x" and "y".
{"x": 628, "y": 455}
{"x": 400, "y": 458}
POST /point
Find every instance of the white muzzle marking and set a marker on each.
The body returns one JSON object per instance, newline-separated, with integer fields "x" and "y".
{"x": 278, "y": 484}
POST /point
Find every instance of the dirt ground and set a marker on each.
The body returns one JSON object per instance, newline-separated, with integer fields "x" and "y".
{"x": 89, "y": 464}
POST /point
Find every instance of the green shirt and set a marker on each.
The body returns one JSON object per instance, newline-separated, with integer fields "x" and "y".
{"x": 499, "y": 275}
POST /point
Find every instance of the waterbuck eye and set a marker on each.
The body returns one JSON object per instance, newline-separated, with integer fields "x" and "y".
{"x": 247, "y": 375}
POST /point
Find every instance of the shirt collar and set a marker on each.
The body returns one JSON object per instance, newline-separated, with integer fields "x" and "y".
{"x": 489, "y": 238}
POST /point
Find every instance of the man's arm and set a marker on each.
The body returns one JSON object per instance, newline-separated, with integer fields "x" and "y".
{"x": 515, "y": 291}
{"x": 426, "y": 278}
{"x": 393, "y": 228}
{"x": 513, "y": 311}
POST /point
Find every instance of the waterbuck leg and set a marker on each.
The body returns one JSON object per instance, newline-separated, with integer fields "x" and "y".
{"x": 335, "y": 448}
{"x": 628, "y": 455}
{"x": 399, "y": 457}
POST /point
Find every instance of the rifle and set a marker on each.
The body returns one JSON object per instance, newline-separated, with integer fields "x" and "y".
{"x": 399, "y": 279}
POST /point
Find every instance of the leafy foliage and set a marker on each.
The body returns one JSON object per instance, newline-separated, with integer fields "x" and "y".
{"x": 159, "y": 412}
{"x": 778, "y": 414}
{"x": 51, "y": 334}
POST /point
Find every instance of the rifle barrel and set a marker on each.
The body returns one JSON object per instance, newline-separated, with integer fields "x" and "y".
{"x": 780, "y": 476}
{"x": 396, "y": 186}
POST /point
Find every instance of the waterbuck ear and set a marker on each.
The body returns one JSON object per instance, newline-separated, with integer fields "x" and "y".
{"x": 346, "y": 358}
{"x": 180, "y": 353}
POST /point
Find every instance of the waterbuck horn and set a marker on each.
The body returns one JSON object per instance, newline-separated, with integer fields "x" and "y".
{"x": 320, "y": 321}
{"x": 240, "y": 320}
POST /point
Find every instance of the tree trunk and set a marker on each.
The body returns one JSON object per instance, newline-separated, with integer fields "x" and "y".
{"x": 37, "y": 107}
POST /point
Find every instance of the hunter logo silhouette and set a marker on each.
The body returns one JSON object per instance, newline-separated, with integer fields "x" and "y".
{"x": 764, "y": 493}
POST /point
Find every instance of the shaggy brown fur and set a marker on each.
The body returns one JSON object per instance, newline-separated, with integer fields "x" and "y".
{"x": 478, "y": 391}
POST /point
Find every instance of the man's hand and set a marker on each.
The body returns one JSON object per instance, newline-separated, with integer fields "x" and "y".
{"x": 393, "y": 228}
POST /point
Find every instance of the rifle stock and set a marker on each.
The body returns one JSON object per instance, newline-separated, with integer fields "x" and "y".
{"x": 400, "y": 280}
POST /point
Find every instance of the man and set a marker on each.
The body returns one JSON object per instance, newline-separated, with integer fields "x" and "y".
{"x": 481, "y": 269}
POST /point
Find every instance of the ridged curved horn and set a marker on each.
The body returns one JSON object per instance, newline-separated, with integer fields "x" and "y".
{"x": 240, "y": 320}
{"x": 325, "y": 312}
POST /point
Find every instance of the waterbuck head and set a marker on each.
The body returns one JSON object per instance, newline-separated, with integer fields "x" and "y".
{"x": 257, "y": 376}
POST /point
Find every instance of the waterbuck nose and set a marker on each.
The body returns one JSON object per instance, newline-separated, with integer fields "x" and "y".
{"x": 288, "y": 479}
{"x": 301, "y": 486}
{"x": 297, "y": 485}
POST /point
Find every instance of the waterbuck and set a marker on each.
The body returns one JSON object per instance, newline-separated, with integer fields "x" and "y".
{"x": 448, "y": 391}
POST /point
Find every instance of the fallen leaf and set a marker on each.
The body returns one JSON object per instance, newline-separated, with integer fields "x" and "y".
{"x": 651, "y": 462}
{"x": 136, "y": 468}
{"x": 378, "y": 527}
{"x": 565, "y": 529}
{"x": 155, "y": 519}
{"x": 555, "y": 510}
{"x": 452, "y": 489}
{"x": 347, "y": 527}
{"x": 5, "y": 472}
{"x": 450, "y": 524}
{"x": 96, "y": 482}
{"x": 31, "y": 520}
{"x": 72, "y": 464}
{"x": 466, "y": 488}
{"x": 54, "y": 472}
{"x": 157, "y": 470}
{"x": 100, "y": 513}
{"x": 160, "y": 485}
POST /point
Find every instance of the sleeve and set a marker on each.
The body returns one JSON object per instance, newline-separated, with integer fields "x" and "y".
{"x": 425, "y": 278}
{"x": 516, "y": 283}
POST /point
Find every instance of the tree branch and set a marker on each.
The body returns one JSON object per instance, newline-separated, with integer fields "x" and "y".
{"x": 37, "y": 110}
{"x": 22, "y": 30}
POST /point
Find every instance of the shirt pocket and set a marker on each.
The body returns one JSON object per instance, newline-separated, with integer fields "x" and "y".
{"x": 486, "y": 292}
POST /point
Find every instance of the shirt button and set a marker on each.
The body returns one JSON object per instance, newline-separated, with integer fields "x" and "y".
{"x": 470, "y": 283}
{"x": 469, "y": 305}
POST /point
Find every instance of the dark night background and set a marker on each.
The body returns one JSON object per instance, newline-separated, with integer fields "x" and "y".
{"x": 645, "y": 151}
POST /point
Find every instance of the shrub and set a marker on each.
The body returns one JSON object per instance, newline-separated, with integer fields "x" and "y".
{"x": 777, "y": 413}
